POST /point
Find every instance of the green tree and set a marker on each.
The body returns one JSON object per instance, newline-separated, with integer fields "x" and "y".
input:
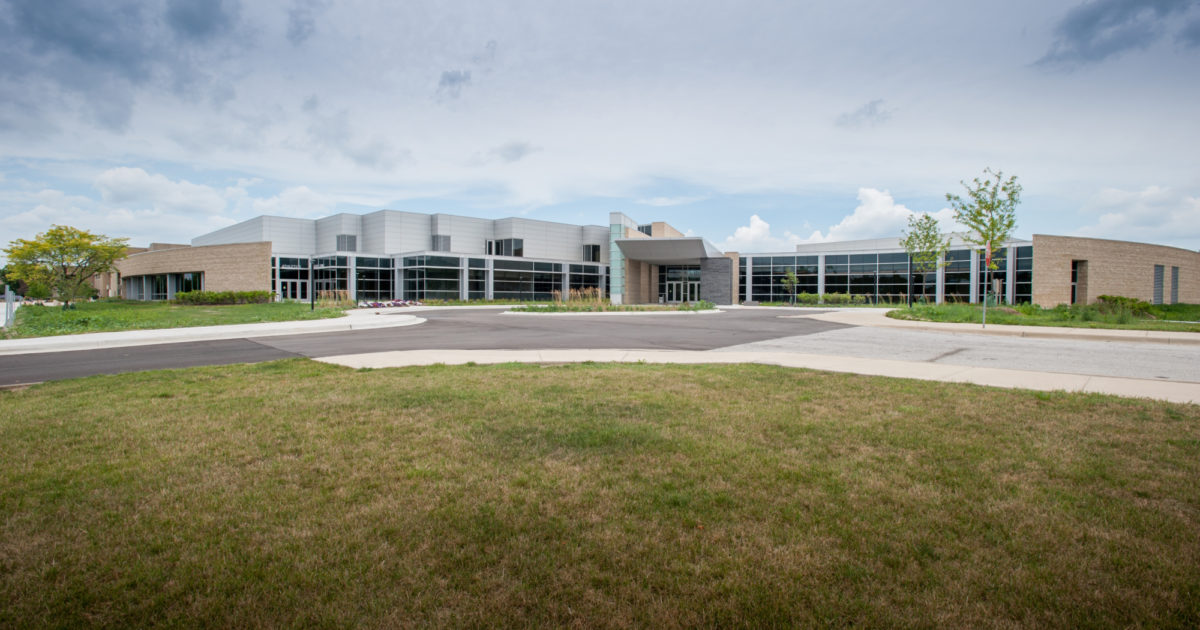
{"x": 789, "y": 282}
{"x": 7, "y": 278}
{"x": 64, "y": 259}
{"x": 926, "y": 245}
{"x": 989, "y": 213}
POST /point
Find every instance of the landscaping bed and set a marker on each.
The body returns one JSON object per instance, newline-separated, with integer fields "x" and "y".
{"x": 1115, "y": 315}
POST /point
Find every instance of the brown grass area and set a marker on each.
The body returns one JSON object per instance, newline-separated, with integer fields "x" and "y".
{"x": 298, "y": 494}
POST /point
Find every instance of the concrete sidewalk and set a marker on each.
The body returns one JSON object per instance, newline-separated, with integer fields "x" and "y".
{"x": 877, "y": 318}
{"x": 354, "y": 320}
{"x": 1171, "y": 391}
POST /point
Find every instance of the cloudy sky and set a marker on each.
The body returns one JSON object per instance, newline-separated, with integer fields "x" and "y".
{"x": 755, "y": 124}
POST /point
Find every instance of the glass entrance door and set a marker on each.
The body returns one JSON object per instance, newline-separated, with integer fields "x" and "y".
{"x": 683, "y": 291}
{"x": 288, "y": 289}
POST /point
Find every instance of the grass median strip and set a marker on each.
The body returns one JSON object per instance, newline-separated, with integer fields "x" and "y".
{"x": 1161, "y": 317}
{"x": 117, "y": 315}
{"x": 296, "y": 493}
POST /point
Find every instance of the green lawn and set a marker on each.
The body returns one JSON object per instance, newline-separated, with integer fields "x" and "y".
{"x": 112, "y": 315}
{"x": 1166, "y": 317}
{"x": 295, "y": 493}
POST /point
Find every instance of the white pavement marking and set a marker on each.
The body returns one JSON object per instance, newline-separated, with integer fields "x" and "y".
{"x": 994, "y": 377}
{"x": 354, "y": 320}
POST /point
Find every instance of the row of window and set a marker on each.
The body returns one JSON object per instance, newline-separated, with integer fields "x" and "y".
{"x": 162, "y": 286}
{"x": 879, "y": 277}
{"x": 1157, "y": 294}
{"x": 427, "y": 277}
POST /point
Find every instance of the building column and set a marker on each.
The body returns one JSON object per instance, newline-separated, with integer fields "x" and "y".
{"x": 821, "y": 275}
{"x": 974, "y": 295}
{"x": 1010, "y": 275}
{"x": 490, "y": 285}
{"x": 463, "y": 274}
{"x": 940, "y": 291}
{"x": 565, "y": 285}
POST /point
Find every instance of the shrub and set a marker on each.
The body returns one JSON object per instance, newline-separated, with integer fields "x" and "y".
{"x": 1114, "y": 304}
{"x": 837, "y": 298}
{"x": 807, "y": 298}
{"x": 196, "y": 298}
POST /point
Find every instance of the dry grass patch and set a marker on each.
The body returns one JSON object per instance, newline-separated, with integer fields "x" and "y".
{"x": 295, "y": 493}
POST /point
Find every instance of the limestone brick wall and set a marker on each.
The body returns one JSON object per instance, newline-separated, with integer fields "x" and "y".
{"x": 1113, "y": 268}
{"x": 660, "y": 229}
{"x": 233, "y": 267}
{"x": 735, "y": 259}
{"x": 637, "y": 282}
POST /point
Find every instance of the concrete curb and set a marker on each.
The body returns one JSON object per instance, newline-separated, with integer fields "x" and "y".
{"x": 879, "y": 319}
{"x": 1171, "y": 391}
{"x": 354, "y": 320}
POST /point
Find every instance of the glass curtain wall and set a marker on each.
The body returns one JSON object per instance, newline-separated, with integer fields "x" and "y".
{"x": 1023, "y": 289}
{"x": 162, "y": 286}
{"x": 768, "y": 272}
{"x": 742, "y": 279}
{"x": 999, "y": 277}
{"x": 331, "y": 273}
{"x": 525, "y": 280}
{"x": 669, "y": 274}
{"x": 958, "y": 276}
{"x": 431, "y": 277}
{"x": 289, "y": 277}
{"x": 837, "y": 273}
{"x": 373, "y": 278}
{"x": 476, "y": 279}
{"x": 585, "y": 277}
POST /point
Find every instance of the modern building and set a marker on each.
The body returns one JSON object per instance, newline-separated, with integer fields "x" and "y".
{"x": 390, "y": 254}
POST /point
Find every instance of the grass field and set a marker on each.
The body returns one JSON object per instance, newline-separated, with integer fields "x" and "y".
{"x": 113, "y": 315}
{"x": 1167, "y": 317}
{"x": 299, "y": 494}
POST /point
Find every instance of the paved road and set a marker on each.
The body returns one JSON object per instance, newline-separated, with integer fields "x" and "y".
{"x": 449, "y": 329}
{"x": 742, "y": 329}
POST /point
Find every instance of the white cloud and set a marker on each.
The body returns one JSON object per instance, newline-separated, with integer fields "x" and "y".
{"x": 135, "y": 186}
{"x": 298, "y": 201}
{"x": 877, "y": 216}
{"x": 662, "y": 202}
{"x": 1153, "y": 214}
{"x": 756, "y": 237}
{"x": 144, "y": 225}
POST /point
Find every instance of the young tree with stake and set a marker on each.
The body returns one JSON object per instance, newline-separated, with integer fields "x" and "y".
{"x": 789, "y": 282}
{"x": 989, "y": 213}
{"x": 926, "y": 246}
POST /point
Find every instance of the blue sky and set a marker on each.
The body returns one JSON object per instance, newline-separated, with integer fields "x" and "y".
{"x": 755, "y": 124}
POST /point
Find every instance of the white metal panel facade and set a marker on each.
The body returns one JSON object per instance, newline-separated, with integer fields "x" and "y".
{"x": 250, "y": 231}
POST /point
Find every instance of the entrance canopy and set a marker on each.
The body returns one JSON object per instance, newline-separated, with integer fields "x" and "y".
{"x": 668, "y": 251}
